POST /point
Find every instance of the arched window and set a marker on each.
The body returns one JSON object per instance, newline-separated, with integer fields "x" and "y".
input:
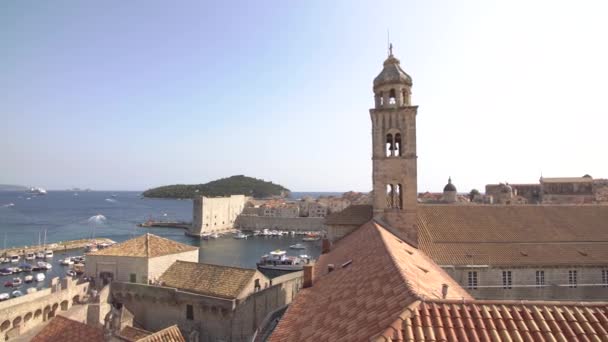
{"x": 397, "y": 145}
{"x": 390, "y": 149}
{"x": 381, "y": 99}
{"x": 404, "y": 96}
{"x": 400, "y": 196}
{"x": 392, "y": 98}
{"x": 390, "y": 195}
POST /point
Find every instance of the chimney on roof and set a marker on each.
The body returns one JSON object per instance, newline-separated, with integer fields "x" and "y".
{"x": 330, "y": 267}
{"x": 308, "y": 269}
{"x": 326, "y": 246}
{"x": 444, "y": 290}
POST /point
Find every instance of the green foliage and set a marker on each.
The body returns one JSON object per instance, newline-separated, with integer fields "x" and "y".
{"x": 235, "y": 185}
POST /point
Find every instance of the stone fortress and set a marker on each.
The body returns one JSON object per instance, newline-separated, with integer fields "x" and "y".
{"x": 215, "y": 214}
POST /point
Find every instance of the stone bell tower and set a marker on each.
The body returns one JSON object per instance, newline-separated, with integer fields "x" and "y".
{"x": 394, "y": 150}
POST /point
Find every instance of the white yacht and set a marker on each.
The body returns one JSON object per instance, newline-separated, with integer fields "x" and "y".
{"x": 67, "y": 262}
{"x": 30, "y": 256}
{"x": 37, "y": 191}
{"x": 14, "y": 258}
{"x": 40, "y": 277}
{"x": 48, "y": 254}
{"x": 240, "y": 235}
{"x": 44, "y": 265}
{"x": 278, "y": 260}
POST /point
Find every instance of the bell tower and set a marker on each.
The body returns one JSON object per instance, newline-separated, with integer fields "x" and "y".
{"x": 394, "y": 150}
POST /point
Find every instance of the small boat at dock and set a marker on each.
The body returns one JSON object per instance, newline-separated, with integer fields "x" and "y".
{"x": 14, "y": 258}
{"x": 16, "y": 293}
{"x": 4, "y": 296}
{"x": 48, "y": 254}
{"x": 40, "y": 255}
{"x": 311, "y": 237}
{"x": 67, "y": 261}
{"x": 40, "y": 277}
{"x": 28, "y": 279}
{"x": 44, "y": 265}
{"x": 6, "y": 271}
{"x": 298, "y": 246}
{"x": 30, "y": 256}
{"x": 278, "y": 260}
{"x": 240, "y": 235}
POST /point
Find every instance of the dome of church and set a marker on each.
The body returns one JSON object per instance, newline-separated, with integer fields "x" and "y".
{"x": 449, "y": 186}
{"x": 392, "y": 74}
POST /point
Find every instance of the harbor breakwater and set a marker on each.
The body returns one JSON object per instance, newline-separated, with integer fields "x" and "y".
{"x": 252, "y": 222}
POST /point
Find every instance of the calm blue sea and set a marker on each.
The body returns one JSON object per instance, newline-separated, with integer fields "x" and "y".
{"x": 66, "y": 215}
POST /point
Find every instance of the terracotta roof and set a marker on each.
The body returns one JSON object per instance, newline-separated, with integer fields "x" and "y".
{"x": 170, "y": 334}
{"x": 208, "y": 279}
{"x": 376, "y": 277}
{"x": 66, "y": 330}
{"x": 132, "y": 334}
{"x": 567, "y": 180}
{"x": 514, "y": 235}
{"x": 445, "y": 320}
{"x": 352, "y": 215}
{"x": 145, "y": 246}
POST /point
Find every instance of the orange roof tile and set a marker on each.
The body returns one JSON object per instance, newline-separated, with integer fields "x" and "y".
{"x": 170, "y": 334}
{"x": 67, "y": 330}
{"x": 132, "y": 334}
{"x": 145, "y": 246}
{"x": 376, "y": 277}
{"x": 452, "y": 320}
{"x": 514, "y": 235}
{"x": 208, "y": 279}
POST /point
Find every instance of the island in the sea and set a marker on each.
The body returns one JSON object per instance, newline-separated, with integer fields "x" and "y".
{"x": 235, "y": 185}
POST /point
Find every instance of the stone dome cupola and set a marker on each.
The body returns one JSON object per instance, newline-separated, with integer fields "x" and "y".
{"x": 392, "y": 87}
{"x": 449, "y": 186}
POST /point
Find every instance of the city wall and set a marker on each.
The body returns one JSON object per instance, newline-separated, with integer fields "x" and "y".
{"x": 20, "y": 314}
{"x": 250, "y": 222}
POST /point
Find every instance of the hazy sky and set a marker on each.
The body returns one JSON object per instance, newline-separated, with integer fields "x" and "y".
{"x": 134, "y": 94}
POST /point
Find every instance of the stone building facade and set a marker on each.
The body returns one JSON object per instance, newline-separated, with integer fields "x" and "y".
{"x": 394, "y": 149}
{"x": 139, "y": 260}
{"x": 215, "y": 215}
{"x": 561, "y": 190}
{"x": 210, "y": 302}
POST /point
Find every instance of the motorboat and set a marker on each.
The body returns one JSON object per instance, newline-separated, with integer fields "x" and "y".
{"x": 240, "y": 235}
{"x": 40, "y": 255}
{"x": 298, "y": 246}
{"x": 16, "y": 293}
{"x": 278, "y": 260}
{"x": 71, "y": 273}
{"x": 44, "y": 265}
{"x": 48, "y": 254}
{"x": 17, "y": 270}
{"x": 13, "y": 283}
{"x": 311, "y": 237}
{"x": 26, "y": 267}
{"x": 257, "y": 233}
{"x": 40, "y": 277}
{"x": 28, "y": 279}
{"x": 205, "y": 236}
{"x": 78, "y": 259}
{"x": 103, "y": 245}
{"x": 6, "y": 271}
{"x": 14, "y": 258}
{"x": 67, "y": 262}
{"x": 4, "y": 260}
{"x": 214, "y": 236}
{"x": 30, "y": 256}
{"x": 4, "y": 296}
{"x": 90, "y": 248}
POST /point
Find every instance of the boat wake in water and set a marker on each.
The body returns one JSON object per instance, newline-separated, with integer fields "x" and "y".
{"x": 97, "y": 219}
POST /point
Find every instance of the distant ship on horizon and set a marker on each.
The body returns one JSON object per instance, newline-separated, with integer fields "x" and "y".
{"x": 37, "y": 191}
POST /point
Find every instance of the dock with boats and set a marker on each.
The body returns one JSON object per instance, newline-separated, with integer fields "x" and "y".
{"x": 57, "y": 246}
{"x": 165, "y": 224}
